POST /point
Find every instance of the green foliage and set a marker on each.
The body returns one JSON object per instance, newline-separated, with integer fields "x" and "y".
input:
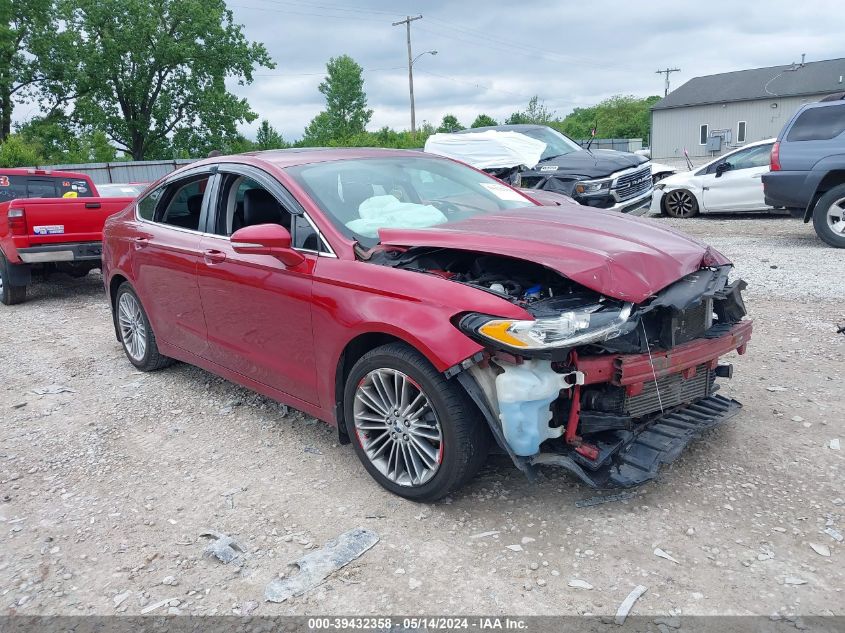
{"x": 268, "y": 138}
{"x": 26, "y": 26}
{"x": 144, "y": 70}
{"x": 59, "y": 141}
{"x": 617, "y": 117}
{"x": 483, "y": 120}
{"x": 536, "y": 113}
{"x": 449, "y": 124}
{"x": 346, "y": 114}
{"x": 15, "y": 151}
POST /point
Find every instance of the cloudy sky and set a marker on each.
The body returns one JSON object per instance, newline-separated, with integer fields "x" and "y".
{"x": 493, "y": 56}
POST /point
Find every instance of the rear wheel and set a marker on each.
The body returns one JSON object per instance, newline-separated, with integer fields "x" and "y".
{"x": 680, "y": 203}
{"x": 9, "y": 294}
{"x": 829, "y": 217}
{"x": 139, "y": 341}
{"x": 416, "y": 433}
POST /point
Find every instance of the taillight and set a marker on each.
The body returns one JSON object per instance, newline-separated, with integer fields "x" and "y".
{"x": 775, "y": 162}
{"x": 17, "y": 221}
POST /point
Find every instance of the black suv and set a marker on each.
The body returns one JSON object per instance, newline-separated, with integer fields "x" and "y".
{"x": 808, "y": 168}
{"x": 601, "y": 178}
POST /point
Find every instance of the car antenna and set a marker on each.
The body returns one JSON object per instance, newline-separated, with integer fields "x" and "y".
{"x": 689, "y": 162}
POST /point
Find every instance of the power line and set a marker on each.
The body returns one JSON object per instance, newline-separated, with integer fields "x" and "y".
{"x": 407, "y": 22}
{"x": 323, "y": 72}
{"x": 667, "y": 72}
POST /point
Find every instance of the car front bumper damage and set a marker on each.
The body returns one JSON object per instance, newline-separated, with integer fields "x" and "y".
{"x": 618, "y": 448}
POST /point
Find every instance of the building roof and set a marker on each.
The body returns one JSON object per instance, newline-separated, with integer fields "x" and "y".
{"x": 792, "y": 80}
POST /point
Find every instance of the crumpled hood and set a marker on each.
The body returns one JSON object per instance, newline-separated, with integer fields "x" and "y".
{"x": 620, "y": 256}
{"x": 594, "y": 164}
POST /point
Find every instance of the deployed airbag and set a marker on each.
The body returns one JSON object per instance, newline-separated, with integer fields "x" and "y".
{"x": 386, "y": 212}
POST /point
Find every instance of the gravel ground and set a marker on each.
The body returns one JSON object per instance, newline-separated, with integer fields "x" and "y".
{"x": 105, "y": 488}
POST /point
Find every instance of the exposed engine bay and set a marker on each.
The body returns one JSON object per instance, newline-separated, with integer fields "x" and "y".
{"x": 608, "y": 389}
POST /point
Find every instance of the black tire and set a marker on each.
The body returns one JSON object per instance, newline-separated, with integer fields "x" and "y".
{"x": 150, "y": 359}
{"x": 9, "y": 294}
{"x": 679, "y": 203}
{"x": 465, "y": 436}
{"x": 832, "y": 202}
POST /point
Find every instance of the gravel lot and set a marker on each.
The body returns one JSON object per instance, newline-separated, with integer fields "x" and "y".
{"x": 104, "y": 489}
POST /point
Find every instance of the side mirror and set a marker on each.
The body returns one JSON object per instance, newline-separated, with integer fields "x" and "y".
{"x": 722, "y": 168}
{"x": 266, "y": 239}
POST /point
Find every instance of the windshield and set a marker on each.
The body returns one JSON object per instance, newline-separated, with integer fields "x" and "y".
{"x": 361, "y": 196}
{"x": 556, "y": 143}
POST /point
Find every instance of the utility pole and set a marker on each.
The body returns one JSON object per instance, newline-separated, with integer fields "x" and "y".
{"x": 407, "y": 22}
{"x": 666, "y": 72}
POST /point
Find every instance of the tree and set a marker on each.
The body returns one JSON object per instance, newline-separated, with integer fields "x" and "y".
{"x": 483, "y": 120}
{"x": 268, "y": 138}
{"x": 61, "y": 141}
{"x": 144, "y": 71}
{"x": 346, "y": 112}
{"x": 15, "y": 151}
{"x": 617, "y": 117}
{"x": 536, "y": 113}
{"x": 450, "y": 124}
{"x": 25, "y": 28}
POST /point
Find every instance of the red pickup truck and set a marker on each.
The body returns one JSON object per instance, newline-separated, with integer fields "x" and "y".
{"x": 49, "y": 221}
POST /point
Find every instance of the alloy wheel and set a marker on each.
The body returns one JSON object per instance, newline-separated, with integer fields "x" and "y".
{"x": 681, "y": 204}
{"x": 133, "y": 329}
{"x": 397, "y": 427}
{"x": 836, "y": 217}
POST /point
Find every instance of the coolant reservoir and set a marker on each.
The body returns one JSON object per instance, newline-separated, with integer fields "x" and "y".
{"x": 525, "y": 392}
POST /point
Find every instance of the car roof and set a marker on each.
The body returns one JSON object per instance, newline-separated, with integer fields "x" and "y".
{"x": 31, "y": 171}
{"x": 282, "y": 158}
{"x": 516, "y": 127}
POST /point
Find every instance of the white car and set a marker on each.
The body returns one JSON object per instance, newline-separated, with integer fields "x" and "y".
{"x": 732, "y": 182}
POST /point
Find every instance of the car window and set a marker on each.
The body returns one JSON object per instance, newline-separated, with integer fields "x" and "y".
{"x": 758, "y": 156}
{"x": 360, "y": 196}
{"x": 12, "y": 187}
{"x": 245, "y": 202}
{"x": 147, "y": 205}
{"x": 817, "y": 124}
{"x": 182, "y": 204}
{"x": 40, "y": 188}
{"x": 73, "y": 188}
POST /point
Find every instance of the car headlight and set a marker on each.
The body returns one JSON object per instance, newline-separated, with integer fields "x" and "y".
{"x": 586, "y": 187}
{"x": 589, "y": 324}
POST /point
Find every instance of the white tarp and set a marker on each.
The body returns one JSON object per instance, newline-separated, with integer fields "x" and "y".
{"x": 488, "y": 150}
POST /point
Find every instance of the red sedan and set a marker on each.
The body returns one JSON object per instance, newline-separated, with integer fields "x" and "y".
{"x": 430, "y": 312}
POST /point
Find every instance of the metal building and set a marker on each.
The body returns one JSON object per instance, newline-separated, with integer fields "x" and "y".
{"x": 716, "y": 113}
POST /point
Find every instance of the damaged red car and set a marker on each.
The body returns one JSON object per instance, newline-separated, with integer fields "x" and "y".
{"x": 430, "y": 312}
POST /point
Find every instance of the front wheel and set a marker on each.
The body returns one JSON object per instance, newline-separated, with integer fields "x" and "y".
{"x": 680, "y": 203}
{"x": 829, "y": 217}
{"x": 9, "y": 294}
{"x": 417, "y": 434}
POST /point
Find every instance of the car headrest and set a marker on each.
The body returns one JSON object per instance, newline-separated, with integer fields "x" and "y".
{"x": 194, "y": 204}
{"x": 260, "y": 207}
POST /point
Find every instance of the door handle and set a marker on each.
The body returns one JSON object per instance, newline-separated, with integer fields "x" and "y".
{"x": 141, "y": 242}
{"x": 92, "y": 205}
{"x": 212, "y": 256}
